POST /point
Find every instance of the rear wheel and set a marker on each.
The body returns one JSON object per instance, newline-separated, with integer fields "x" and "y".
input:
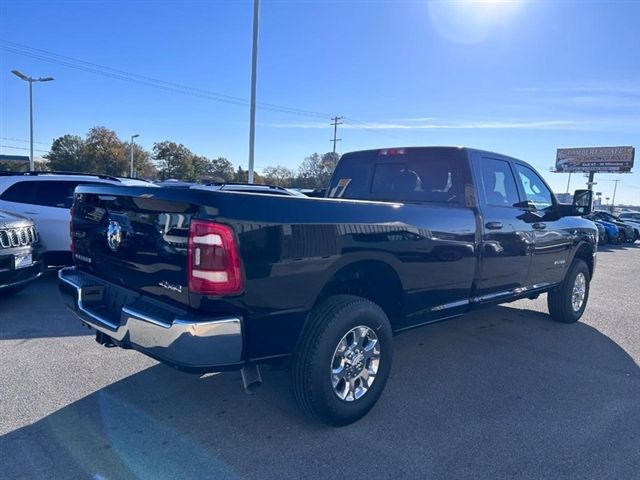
{"x": 568, "y": 301}
{"x": 343, "y": 359}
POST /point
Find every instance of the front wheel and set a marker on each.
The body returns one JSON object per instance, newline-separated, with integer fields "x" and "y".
{"x": 622, "y": 238}
{"x": 343, "y": 359}
{"x": 568, "y": 301}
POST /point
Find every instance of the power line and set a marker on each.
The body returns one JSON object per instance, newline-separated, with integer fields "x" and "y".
{"x": 23, "y": 148}
{"x": 335, "y": 122}
{"x": 123, "y": 75}
{"x": 22, "y": 140}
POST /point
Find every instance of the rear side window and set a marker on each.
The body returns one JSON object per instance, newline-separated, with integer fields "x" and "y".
{"x": 21, "y": 192}
{"x": 498, "y": 183}
{"x": 44, "y": 193}
{"x": 421, "y": 176}
{"x": 56, "y": 194}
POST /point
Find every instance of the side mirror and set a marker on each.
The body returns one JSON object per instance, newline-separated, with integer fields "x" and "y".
{"x": 582, "y": 202}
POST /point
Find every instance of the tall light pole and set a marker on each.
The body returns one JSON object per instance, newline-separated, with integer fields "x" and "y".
{"x": 254, "y": 66}
{"x": 31, "y": 81}
{"x": 613, "y": 201}
{"x": 568, "y": 182}
{"x": 131, "y": 146}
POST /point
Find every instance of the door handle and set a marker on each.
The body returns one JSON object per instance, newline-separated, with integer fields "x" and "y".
{"x": 539, "y": 226}
{"x": 493, "y": 225}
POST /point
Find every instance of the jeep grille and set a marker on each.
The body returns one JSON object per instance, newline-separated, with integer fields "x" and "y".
{"x": 18, "y": 237}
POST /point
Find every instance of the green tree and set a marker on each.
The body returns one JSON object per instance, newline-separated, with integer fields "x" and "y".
{"x": 200, "y": 168}
{"x": 279, "y": 175}
{"x": 67, "y": 154}
{"x": 105, "y": 153}
{"x": 142, "y": 164}
{"x": 174, "y": 160}
{"x": 241, "y": 175}
{"x": 316, "y": 170}
{"x": 214, "y": 170}
{"x": 222, "y": 168}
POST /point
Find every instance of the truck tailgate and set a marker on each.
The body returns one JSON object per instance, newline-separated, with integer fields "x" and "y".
{"x": 135, "y": 238}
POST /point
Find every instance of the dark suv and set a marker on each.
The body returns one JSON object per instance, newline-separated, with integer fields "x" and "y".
{"x": 20, "y": 253}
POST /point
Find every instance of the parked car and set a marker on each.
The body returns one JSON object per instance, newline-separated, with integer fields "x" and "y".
{"x": 632, "y": 218}
{"x": 612, "y": 232}
{"x": 175, "y": 183}
{"x": 209, "y": 279}
{"x": 628, "y": 234}
{"x": 602, "y": 233}
{"x": 250, "y": 188}
{"x": 46, "y": 198}
{"x": 20, "y": 253}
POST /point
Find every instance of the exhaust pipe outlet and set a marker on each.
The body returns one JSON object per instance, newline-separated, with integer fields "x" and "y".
{"x": 251, "y": 379}
{"x": 105, "y": 340}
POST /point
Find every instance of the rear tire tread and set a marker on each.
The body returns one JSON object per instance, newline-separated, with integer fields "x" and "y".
{"x": 320, "y": 320}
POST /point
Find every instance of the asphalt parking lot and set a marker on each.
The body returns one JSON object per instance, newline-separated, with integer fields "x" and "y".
{"x": 501, "y": 393}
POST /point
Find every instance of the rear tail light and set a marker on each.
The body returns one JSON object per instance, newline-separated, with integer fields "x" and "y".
{"x": 71, "y": 246}
{"x": 214, "y": 262}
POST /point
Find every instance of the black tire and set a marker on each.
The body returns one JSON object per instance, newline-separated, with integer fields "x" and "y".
{"x": 328, "y": 324}
{"x": 622, "y": 238}
{"x": 607, "y": 238}
{"x": 560, "y": 299}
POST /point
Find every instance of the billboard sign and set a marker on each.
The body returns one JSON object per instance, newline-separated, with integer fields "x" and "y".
{"x": 595, "y": 159}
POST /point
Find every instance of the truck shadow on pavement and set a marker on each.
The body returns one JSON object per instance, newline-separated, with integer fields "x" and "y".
{"x": 612, "y": 247}
{"x": 502, "y": 393}
{"x": 38, "y": 312}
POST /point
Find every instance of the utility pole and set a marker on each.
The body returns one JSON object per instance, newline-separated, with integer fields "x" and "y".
{"x": 254, "y": 66}
{"x": 613, "y": 200}
{"x": 335, "y": 121}
{"x": 131, "y": 146}
{"x": 568, "y": 182}
{"x": 31, "y": 81}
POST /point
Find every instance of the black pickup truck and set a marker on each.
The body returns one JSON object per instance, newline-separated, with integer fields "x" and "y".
{"x": 208, "y": 280}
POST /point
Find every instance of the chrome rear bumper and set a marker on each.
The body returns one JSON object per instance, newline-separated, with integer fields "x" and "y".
{"x": 160, "y": 331}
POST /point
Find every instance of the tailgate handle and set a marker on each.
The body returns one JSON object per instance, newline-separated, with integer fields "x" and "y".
{"x": 539, "y": 226}
{"x": 493, "y": 225}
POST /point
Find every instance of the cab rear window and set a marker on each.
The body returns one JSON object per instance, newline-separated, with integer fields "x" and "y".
{"x": 414, "y": 176}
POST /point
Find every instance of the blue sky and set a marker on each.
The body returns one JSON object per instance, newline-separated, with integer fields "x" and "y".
{"x": 522, "y": 78}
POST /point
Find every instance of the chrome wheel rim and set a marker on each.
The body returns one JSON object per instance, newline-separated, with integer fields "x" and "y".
{"x": 579, "y": 292}
{"x": 355, "y": 363}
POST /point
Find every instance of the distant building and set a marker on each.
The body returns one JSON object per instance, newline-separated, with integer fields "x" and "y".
{"x": 20, "y": 163}
{"x": 14, "y": 158}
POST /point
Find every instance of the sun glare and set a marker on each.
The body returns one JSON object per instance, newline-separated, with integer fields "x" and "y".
{"x": 471, "y": 21}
